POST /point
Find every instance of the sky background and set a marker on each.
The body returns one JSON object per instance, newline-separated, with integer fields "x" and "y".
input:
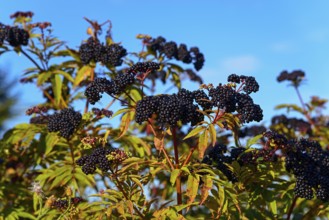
{"x": 259, "y": 38}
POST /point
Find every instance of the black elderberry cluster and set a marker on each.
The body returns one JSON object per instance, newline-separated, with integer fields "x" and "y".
{"x": 169, "y": 109}
{"x": 66, "y": 121}
{"x": 252, "y": 131}
{"x": 181, "y": 52}
{"x": 15, "y": 36}
{"x": 102, "y": 158}
{"x": 41, "y": 119}
{"x": 115, "y": 87}
{"x": 107, "y": 54}
{"x": 219, "y": 157}
{"x": 226, "y": 97}
{"x": 143, "y": 67}
{"x": 294, "y": 124}
{"x": 310, "y": 165}
{"x": 295, "y": 76}
{"x": 100, "y": 112}
{"x": 64, "y": 203}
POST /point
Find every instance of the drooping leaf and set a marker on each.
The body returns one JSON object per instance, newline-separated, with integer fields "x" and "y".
{"x": 194, "y": 132}
{"x": 173, "y": 176}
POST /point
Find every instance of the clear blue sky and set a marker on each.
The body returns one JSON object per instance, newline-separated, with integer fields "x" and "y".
{"x": 259, "y": 38}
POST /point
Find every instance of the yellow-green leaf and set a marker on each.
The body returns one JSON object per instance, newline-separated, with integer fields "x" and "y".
{"x": 84, "y": 72}
{"x": 173, "y": 176}
{"x": 194, "y": 132}
{"x": 203, "y": 143}
{"x": 192, "y": 187}
{"x": 213, "y": 134}
{"x": 57, "y": 88}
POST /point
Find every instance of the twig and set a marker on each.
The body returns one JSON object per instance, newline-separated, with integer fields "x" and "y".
{"x": 292, "y": 207}
{"x": 189, "y": 156}
{"x": 178, "y": 180}
{"x": 32, "y": 60}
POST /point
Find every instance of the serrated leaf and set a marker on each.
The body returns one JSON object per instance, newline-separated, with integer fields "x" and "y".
{"x": 125, "y": 122}
{"x": 203, "y": 143}
{"x": 192, "y": 187}
{"x": 173, "y": 176}
{"x": 57, "y": 88}
{"x": 194, "y": 132}
{"x": 290, "y": 106}
{"x": 43, "y": 77}
{"x": 120, "y": 111}
{"x": 25, "y": 215}
{"x": 206, "y": 187}
{"x": 65, "y": 74}
{"x": 159, "y": 140}
{"x": 84, "y": 72}
{"x": 213, "y": 134}
{"x": 253, "y": 140}
{"x": 273, "y": 207}
{"x": 51, "y": 140}
{"x": 138, "y": 183}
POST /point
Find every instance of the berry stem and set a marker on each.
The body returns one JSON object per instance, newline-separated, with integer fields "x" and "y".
{"x": 32, "y": 60}
{"x": 292, "y": 207}
{"x": 189, "y": 156}
{"x": 307, "y": 115}
{"x": 178, "y": 180}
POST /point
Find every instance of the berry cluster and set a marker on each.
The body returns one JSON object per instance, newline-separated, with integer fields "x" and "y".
{"x": 66, "y": 121}
{"x": 230, "y": 100}
{"x": 219, "y": 157}
{"x": 36, "y": 110}
{"x": 96, "y": 159}
{"x": 41, "y": 119}
{"x": 100, "y": 112}
{"x": 169, "y": 109}
{"x": 115, "y": 87}
{"x": 143, "y": 67}
{"x": 294, "y": 124}
{"x": 295, "y": 76}
{"x": 181, "y": 53}
{"x": 13, "y": 35}
{"x": 102, "y": 158}
{"x": 108, "y": 55}
{"x": 310, "y": 165}
{"x": 252, "y": 131}
{"x": 62, "y": 204}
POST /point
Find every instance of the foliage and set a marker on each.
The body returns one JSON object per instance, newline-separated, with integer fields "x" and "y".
{"x": 150, "y": 155}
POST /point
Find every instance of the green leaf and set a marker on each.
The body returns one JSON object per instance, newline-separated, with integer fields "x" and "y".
{"x": 290, "y": 106}
{"x": 173, "y": 176}
{"x": 192, "y": 187}
{"x": 65, "y": 74}
{"x": 120, "y": 111}
{"x": 213, "y": 134}
{"x": 51, "y": 140}
{"x": 125, "y": 122}
{"x": 203, "y": 143}
{"x": 138, "y": 183}
{"x": 57, "y": 88}
{"x": 84, "y": 72}
{"x": 273, "y": 207}
{"x": 194, "y": 132}
{"x": 25, "y": 215}
{"x": 253, "y": 140}
{"x": 43, "y": 77}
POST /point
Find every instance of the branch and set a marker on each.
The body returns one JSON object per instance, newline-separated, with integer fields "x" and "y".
{"x": 32, "y": 60}
{"x": 178, "y": 180}
{"x": 293, "y": 204}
